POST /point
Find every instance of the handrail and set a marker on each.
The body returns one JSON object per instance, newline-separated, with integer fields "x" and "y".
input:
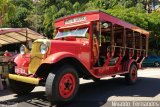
{"x": 123, "y": 50}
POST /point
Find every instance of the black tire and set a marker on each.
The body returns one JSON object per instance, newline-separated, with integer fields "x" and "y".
{"x": 54, "y": 80}
{"x": 131, "y": 77}
{"x": 156, "y": 64}
{"x": 19, "y": 87}
{"x": 96, "y": 79}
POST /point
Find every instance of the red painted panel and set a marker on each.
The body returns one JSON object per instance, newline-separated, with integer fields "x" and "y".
{"x": 78, "y": 49}
{"x": 89, "y": 18}
{"x": 22, "y": 62}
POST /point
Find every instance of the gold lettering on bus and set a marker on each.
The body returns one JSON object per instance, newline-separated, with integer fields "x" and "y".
{"x": 77, "y": 19}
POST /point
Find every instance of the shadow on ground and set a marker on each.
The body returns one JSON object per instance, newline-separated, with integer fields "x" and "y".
{"x": 96, "y": 94}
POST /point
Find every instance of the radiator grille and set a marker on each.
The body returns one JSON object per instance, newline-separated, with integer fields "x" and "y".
{"x": 36, "y": 57}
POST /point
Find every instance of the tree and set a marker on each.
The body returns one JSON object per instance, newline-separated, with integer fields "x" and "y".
{"x": 154, "y": 27}
{"x": 107, "y": 4}
{"x": 6, "y": 10}
{"x": 59, "y": 9}
{"x": 23, "y": 9}
{"x": 35, "y": 17}
{"x": 134, "y": 15}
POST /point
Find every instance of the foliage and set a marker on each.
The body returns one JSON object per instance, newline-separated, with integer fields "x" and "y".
{"x": 53, "y": 12}
{"x": 133, "y": 15}
{"x": 22, "y": 10}
{"x": 6, "y": 11}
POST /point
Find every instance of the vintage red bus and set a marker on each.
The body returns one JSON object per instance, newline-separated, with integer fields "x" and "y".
{"x": 89, "y": 45}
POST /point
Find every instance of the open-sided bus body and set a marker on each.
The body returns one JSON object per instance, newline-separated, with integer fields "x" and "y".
{"x": 88, "y": 45}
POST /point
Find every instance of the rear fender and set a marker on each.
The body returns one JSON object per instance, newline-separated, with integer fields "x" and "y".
{"x": 127, "y": 64}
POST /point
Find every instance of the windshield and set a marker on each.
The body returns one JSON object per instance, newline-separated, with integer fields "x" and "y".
{"x": 81, "y": 32}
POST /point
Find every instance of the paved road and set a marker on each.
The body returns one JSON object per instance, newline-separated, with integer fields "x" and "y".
{"x": 91, "y": 94}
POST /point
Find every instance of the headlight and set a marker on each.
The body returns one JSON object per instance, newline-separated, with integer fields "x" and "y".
{"x": 23, "y": 49}
{"x": 43, "y": 48}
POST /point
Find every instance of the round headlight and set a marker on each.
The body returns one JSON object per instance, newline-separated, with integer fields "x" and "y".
{"x": 44, "y": 48}
{"x": 22, "y": 49}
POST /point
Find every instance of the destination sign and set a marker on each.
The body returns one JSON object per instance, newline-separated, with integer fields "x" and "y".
{"x": 74, "y": 20}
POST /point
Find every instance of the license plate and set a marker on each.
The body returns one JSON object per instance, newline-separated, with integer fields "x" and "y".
{"x": 20, "y": 71}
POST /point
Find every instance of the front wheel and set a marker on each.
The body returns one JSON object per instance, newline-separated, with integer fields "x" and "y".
{"x": 62, "y": 84}
{"x": 131, "y": 77}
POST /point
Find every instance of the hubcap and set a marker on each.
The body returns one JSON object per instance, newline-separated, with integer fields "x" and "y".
{"x": 156, "y": 64}
{"x": 134, "y": 74}
{"x": 67, "y": 85}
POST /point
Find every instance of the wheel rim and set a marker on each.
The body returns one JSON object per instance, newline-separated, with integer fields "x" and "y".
{"x": 156, "y": 64}
{"x": 67, "y": 85}
{"x": 134, "y": 74}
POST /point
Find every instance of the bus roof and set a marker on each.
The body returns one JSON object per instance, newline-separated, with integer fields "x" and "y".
{"x": 85, "y": 17}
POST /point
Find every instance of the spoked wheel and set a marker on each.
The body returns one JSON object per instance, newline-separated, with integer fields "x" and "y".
{"x": 131, "y": 77}
{"x": 63, "y": 85}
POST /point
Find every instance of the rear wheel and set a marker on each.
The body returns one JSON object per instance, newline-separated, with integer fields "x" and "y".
{"x": 63, "y": 85}
{"x": 131, "y": 77}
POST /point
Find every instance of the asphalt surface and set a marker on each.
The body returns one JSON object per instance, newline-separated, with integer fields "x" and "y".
{"x": 107, "y": 92}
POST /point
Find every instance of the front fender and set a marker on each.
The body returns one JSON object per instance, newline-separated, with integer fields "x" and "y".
{"x": 22, "y": 60}
{"x": 59, "y": 56}
{"x": 22, "y": 63}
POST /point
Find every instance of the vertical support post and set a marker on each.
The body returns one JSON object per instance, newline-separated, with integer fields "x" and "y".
{"x": 112, "y": 37}
{"x": 124, "y": 41}
{"x": 124, "y": 37}
{"x": 140, "y": 41}
{"x": 26, "y": 37}
{"x": 100, "y": 35}
{"x": 133, "y": 40}
{"x": 91, "y": 44}
{"x": 147, "y": 44}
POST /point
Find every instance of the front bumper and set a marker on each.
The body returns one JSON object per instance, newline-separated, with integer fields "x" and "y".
{"x": 24, "y": 79}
